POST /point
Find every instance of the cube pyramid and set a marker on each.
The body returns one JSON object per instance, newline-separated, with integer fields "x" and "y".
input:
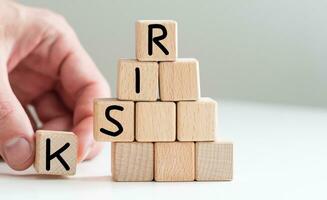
{"x": 160, "y": 127}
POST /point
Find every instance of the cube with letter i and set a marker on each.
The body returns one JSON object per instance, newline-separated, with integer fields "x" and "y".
{"x": 137, "y": 81}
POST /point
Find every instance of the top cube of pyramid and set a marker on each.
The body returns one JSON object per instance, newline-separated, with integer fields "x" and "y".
{"x": 156, "y": 40}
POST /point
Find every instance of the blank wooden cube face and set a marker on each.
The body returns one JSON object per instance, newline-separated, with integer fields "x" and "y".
{"x": 196, "y": 120}
{"x": 155, "y": 121}
{"x": 56, "y": 152}
{"x": 174, "y": 161}
{"x": 132, "y": 161}
{"x": 113, "y": 120}
{"x": 214, "y": 161}
{"x": 156, "y": 40}
{"x": 179, "y": 80}
{"x": 137, "y": 81}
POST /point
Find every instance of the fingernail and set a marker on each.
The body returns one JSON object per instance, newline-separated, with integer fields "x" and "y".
{"x": 17, "y": 151}
{"x": 86, "y": 153}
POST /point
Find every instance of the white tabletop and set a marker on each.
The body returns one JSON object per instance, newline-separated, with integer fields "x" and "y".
{"x": 280, "y": 153}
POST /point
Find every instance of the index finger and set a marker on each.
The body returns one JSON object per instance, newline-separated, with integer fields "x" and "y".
{"x": 83, "y": 82}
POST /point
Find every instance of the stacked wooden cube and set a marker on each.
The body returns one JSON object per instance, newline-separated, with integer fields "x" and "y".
{"x": 160, "y": 127}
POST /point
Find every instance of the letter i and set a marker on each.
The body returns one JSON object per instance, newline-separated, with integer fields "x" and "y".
{"x": 137, "y": 80}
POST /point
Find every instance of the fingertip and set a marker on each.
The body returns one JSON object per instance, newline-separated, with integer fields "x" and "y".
{"x": 82, "y": 153}
{"x": 94, "y": 151}
{"x": 18, "y": 153}
{"x": 88, "y": 152}
{"x": 85, "y": 143}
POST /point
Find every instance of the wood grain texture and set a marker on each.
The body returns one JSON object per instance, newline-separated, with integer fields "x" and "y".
{"x": 214, "y": 161}
{"x": 174, "y": 161}
{"x": 125, "y": 118}
{"x": 57, "y": 140}
{"x": 132, "y": 161}
{"x": 155, "y": 121}
{"x": 126, "y": 84}
{"x": 196, "y": 120}
{"x": 170, "y": 42}
{"x": 179, "y": 80}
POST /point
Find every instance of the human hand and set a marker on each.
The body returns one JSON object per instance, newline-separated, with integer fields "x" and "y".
{"x": 43, "y": 64}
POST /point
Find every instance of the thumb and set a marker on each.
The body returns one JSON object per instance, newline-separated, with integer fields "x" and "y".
{"x": 16, "y": 132}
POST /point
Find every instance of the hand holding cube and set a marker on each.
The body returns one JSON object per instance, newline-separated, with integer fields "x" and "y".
{"x": 160, "y": 126}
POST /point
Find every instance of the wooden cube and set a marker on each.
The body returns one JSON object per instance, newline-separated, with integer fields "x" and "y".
{"x": 196, "y": 120}
{"x": 132, "y": 161}
{"x": 174, "y": 161}
{"x": 156, "y": 40}
{"x": 113, "y": 120}
{"x": 155, "y": 121}
{"x": 179, "y": 80}
{"x": 137, "y": 81}
{"x": 214, "y": 161}
{"x": 56, "y": 152}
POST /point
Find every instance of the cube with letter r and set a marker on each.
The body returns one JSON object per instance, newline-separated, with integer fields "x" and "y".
{"x": 156, "y": 40}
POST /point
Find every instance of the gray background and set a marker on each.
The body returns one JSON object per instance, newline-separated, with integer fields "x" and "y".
{"x": 256, "y": 50}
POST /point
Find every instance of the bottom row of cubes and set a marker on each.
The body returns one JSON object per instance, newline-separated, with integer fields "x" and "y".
{"x": 172, "y": 161}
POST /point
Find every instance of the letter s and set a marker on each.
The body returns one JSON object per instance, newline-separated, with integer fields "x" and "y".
{"x": 114, "y": 121}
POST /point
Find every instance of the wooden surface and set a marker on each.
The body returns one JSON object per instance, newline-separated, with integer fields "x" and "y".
{"x": 179, "y": 80}
{"x": 57, "y": 140}
{"x": 155, "y": 121}
{"x": 196, "y": 120}
{"x": 214, "y": 161}
{"x": 174, "y": 161}
{"x": 148, "y": 84}
{"x": 125, "y": 118}
{"x": 170, "y": 42}
{"x": 132, "y": 161}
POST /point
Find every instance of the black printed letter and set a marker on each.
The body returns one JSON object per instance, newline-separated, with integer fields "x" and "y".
{"x": 109, "y": 118}
{"x": 56, "y": 154}
{"x": 137, "y": 80}
{"x": 157, "y": 39}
